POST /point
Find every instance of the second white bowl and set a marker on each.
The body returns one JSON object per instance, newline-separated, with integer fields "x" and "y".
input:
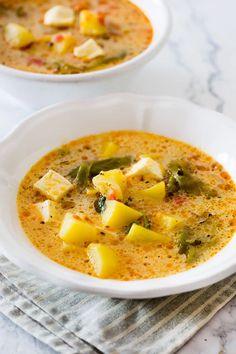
{"x": 39, "y": 90}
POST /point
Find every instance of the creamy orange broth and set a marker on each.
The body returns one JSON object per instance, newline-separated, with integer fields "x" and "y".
{"x": 129, "y": 33}
{"x": 136, "y": 261}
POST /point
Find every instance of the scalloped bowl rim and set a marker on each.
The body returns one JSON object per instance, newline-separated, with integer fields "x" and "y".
{"x": 201, "y": 276}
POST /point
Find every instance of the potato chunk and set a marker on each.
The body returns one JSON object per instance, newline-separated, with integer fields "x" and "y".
{"x": 47, "y": 210}
{"x": 76, "y": 231}
{"x": 118, "y": 214}
{"x": 169, "y": 222}
{"x": 90, "y": 24}
{"x": 157, "y": 192}
{"x": 59, "y": 16}
{"x": 109, "y": 149}
{"x": 146, "y": 166}
{"x": 88, "y": 50}
{"x": 18, "y": 36}
{"x": 139, "y": 233}
{"x": 53, "y": 185}
{"x": 103, "y": 259}
{"x": 109, "y": 182}
{"x": 62, "y": 42}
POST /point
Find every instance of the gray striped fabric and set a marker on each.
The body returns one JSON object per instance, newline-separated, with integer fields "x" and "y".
{"x": 71, "y": 322}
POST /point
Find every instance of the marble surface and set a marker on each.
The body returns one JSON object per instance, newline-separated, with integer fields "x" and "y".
{"x": 198, "y": 63}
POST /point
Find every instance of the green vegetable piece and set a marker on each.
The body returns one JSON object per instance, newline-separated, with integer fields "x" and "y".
{"x": 83, "y": 175}
{"x": 109, "y": 164}
{"x": 100, "y": 204}
{"x": 191, "y": 255}
{"x": 145, "y": 222}
{"x": 180, "y": 179}
{"x": 63, "y": 68}
{"x": 182, "y": 243}
{"x": 107, "y": 60}
{"x": 104, "y": 165}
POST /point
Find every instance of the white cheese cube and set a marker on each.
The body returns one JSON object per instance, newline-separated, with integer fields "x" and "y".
{"x": 47, "y": 210}
{"x": 18, "y": 36}
{"x": 59, "y": 16}
{"x": 88, "y": 50}
{"x": 146, "y": 166}
{"x": 53, "y": 185}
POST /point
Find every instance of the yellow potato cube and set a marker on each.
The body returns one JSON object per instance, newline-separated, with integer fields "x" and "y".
{"x": 109, "y": 149}
{"x": 103, "y": 259}
{"x": 146, "y": 166}
{"x": 109, "y": 182}
{"x": 62, "y": 42}
{"x": 47, "y": 210}
{"x": 90, "y": 24}
{"x": 59, "y": 16}
{"x": 18, "y": 36}
{"x": 76, "y": 231}
{"x": 118, "y": 214}
{"x": 157, "y": 192}
{"x": 53, "y": 185}
{"x": 169, "y": 222}
{"x": 139, "y": 233}
{"x": 88, "y": 50}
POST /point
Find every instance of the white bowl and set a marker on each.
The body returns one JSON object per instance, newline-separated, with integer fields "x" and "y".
{"x": 51, "y": 127}
{"x": 39, "y": 90}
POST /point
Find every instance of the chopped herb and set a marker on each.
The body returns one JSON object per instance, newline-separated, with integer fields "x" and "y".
{"x": 100, "y": 204}
{"x": 145, "y": 222}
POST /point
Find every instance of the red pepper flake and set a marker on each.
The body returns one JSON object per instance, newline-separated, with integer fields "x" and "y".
{"x": 59, "y": 38}
{"x": 102, "y": 17}
{"x": 111, "y": 196}
{"x": 76, "y": 217}
{"x": 180, "y": 199}
{"x": 36, "y": 61}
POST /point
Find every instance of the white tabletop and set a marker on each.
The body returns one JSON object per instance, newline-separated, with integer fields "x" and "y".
{"x": 198, "y": 63}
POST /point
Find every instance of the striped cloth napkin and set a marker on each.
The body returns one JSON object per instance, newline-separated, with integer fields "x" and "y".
{"x": 72, "y": 322}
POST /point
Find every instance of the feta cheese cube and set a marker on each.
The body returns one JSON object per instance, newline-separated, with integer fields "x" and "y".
{"x": 18, "y": 36}
{"x": 47, "y": 210}
{"x": 53, "y": 185}
{"x": 146, "y": 166}
{"x": 88, "y": 50}
{"x": 59, "y": 16}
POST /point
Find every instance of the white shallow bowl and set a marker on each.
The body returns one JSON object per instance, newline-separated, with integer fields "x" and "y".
{"x": 51, "y": 127}
{"x": 39, "y": 90}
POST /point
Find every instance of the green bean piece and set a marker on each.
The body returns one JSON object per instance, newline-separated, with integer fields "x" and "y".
{"x": 104, "y": 165}
{"x": 82, "y": 176}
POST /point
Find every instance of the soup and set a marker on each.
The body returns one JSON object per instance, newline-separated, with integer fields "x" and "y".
{"x": 72, "y": 37}
{"x": 128, "y": 205}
